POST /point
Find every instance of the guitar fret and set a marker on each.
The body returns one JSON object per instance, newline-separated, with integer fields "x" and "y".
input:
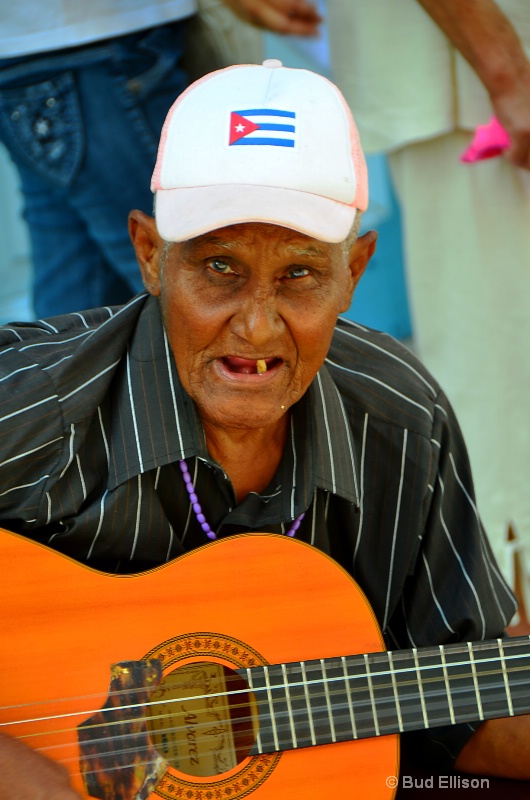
{"x": 281, "y": 703}
{"x": 381, "y": 692}
{"x": 480, "y": 681}
{"x": 395, "y": 690}
{"x": 505, "y": 677}
{"x": 372, "y": 698}
{"x": 276, "y": 724}
{"x": 271, "y": 706}
{"x": 328, "y": 701}
{"x": 475, "y": 680}
{"x": 308, "y": 703}
{"x": 490, "y": 679}
{"x": 447, "y": 687}
{"x": 258, "y": 747}
{"x": 344, "y": 725}
{"x": 360, "y": 695}
{"x": 298, "y": 721}
{"x": 516, "y": 657}
{"x": 289, "y": 706}
{"x": 459, "y": 686}
{"x": 332, "y": 699}
{"x": 348, "y": 696}
{"x": 420, "y": 687}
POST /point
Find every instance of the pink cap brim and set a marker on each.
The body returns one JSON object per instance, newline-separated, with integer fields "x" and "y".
{"x": 185, "y": 213}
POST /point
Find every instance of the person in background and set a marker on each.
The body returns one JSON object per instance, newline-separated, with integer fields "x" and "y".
{"x": 421, "y": 75}
{"x": 71, "y": 73}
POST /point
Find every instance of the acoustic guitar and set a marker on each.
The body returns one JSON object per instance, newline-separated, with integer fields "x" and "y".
{"x": 251, "y": 667}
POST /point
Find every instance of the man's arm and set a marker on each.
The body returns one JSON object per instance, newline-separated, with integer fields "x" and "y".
{"x": 487, "y": 40}
{"x": 295, "y": 17}
{"x": 499, "y": 747}
{"x": 28, "y": 775}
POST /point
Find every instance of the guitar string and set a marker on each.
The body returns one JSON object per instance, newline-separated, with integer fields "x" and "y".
{"x": 343, "y": 706}
{"x": 385, "y": 728}
{"x": 285, "y": 727}
{"x": 289, "y": 685}
{"x": 124, "y": 751}
{"x": 363, "y": 711}
{"x": 377, "y": 657}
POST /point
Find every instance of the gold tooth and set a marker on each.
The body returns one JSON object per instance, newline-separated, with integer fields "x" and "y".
{"x": 261, "y": 366}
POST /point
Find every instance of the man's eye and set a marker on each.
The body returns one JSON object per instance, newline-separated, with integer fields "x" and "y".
{"x": 221, "y": 267}
{"x": 298, "y": 272}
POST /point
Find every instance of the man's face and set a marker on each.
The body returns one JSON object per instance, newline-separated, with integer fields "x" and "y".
{"x": 242, "y": 294}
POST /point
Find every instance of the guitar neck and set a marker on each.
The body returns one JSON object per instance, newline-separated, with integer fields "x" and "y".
{"x": 354, "y": 697}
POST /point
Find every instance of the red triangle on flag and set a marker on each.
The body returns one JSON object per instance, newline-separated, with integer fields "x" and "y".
{"x": 240, "y": 127}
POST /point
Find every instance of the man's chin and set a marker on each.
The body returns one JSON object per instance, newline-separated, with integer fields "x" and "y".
{"x": 250, "y": 416}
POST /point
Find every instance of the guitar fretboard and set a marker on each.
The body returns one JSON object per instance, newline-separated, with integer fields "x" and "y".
{"x": 339, "y": 699}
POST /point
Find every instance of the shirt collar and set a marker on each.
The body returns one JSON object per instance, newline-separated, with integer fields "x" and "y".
{"x": 154, "y": 421}
{"x": 149, "y": 400}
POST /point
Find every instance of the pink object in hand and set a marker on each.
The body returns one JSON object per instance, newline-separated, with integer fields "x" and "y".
{"x": 489, "y": 141}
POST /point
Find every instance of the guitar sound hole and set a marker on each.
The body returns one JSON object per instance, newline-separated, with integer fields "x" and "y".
{"x": 202, "y": 719}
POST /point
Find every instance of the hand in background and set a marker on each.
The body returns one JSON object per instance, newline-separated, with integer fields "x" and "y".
{"x": 512, "y": 108}
{"x": 485, "y": 37}
{"x": 295, "y": 17}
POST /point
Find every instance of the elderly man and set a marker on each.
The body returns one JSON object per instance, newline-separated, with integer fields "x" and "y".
{"x": 228, "y": 398}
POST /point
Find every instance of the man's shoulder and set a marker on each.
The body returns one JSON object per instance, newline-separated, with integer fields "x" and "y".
{"x": 375, "y": 374}
{"x": 42, "y": 340}
{"x": 68, "y": 360}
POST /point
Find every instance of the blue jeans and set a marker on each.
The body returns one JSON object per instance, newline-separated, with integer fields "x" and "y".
{"x": 82, "y": 126}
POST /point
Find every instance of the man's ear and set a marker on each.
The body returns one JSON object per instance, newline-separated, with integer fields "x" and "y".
{"x": 148, "y": 247}
{"x": 360, "y": 254}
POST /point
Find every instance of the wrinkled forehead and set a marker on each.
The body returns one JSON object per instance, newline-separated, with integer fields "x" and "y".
{"x": 257, "y": 235}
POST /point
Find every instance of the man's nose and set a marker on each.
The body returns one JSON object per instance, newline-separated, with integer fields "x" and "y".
{"x": 257, "y": 318}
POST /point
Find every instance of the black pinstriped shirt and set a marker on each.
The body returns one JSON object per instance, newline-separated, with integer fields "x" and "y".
{"x": 94, "y": 420}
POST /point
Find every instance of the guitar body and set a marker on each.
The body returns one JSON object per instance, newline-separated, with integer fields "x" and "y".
{"x": 243, "y": 601}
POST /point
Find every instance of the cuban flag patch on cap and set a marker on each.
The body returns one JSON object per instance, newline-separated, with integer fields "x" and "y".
{"x": 262, "y": 126}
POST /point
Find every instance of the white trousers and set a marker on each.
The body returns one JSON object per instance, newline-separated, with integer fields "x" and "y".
{"x": 467, "y": 240}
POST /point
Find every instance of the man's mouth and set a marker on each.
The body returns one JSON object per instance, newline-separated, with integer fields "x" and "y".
{"x": 247, "y": 366}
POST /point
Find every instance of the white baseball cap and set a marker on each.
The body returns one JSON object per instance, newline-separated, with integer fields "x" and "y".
{"x": 259, "y": 144}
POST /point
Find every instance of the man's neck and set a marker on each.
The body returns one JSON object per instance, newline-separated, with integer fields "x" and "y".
{"x": 250, "y": 457}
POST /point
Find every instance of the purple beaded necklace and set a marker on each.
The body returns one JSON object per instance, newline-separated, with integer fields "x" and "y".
{"x": 201, "y": 519}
